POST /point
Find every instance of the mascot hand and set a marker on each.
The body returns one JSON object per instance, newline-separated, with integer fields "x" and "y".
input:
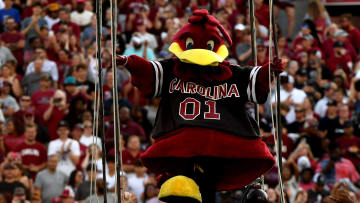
{"x": 277, "y": 65}
{"x": 224, "y": 65}
{"x": 121, "y": 60}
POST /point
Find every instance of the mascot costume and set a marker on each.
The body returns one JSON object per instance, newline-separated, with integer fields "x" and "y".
{"x": 205, "y": 140}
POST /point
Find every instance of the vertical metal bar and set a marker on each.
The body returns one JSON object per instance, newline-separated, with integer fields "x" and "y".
{"x": 101, "y": 96}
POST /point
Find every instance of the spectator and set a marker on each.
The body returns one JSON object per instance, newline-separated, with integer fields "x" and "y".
{"x": 63, "y": 65}
{"x": 144, "y": 35}
{"x": 128, "y": 126}
{"x": 327, "y": 125}
{"x": 137, "y": 180}
{"x": 67, "y": 150}
{"x": 83, "y": 190}
{"x": 319, "y": 191}
{"x": 48, "y": 65}
{"x": 50, "y": 182}
{"x": 30, "y": 26}
{"x": 5, "y": 53}
{"x": 14, "y": 40}
{"x": 13, "y": 138}
{"x": 56, "y": 111}
{"x": 25, "y": 104}
{"x": 298, "y": 126}
{"x": 75, "y": 179}
{"x": 9, "y": 11}
{"x": 85, "y": 86}
{"x": 306, "y": 179}
{"x": 64, "y": 16}
{"x": 150, "y": 193}
{"x": 354, "y": 33}
{"x": 349, "y": 144}
{"x": 93, "y": 155}
{"x": 139, "y": 47}
{"x": 131, "y": 153}
{"x": 110, "y": 173}
{"x": 243, "y": 50}
{"x": 9, "y": 182}
{"x": 20, "y": 176}
{"x": 100, "y": 188}
{"x": 7, "y": 76}
{"x": 19, "y": 195}
{"x": 76, "y": 133}
{"x": 321, "y": 105}
{"x": 33, "y": 153}
{"x": 9, "y": 104}
{"x": 81, "y": 16}
{"x": 42, "y": 134}
{"x": 341, "y": 60}
{"x": 291, "y": 96}
{"x": 67, "y": 196}
{"x": 318, "y": 14}
{"x": 88, "y": 138}
{"x": 52, "y": 16}
{"x": 31, "y": 82}
{"x": 289, "y": 8}
{"x": 335, "y": 167}
{"x": 89, "y": 33}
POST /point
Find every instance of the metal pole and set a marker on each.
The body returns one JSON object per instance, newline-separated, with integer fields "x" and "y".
{"x": 101, "y": 107}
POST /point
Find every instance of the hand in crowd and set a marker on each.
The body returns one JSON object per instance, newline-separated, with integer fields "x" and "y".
{"x": 341, "y": 194}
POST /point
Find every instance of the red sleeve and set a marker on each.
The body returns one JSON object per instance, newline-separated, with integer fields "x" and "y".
{"x": 142, "y": 74}
{"x": 43, "y": 154}
{"x": 262, "y": 84}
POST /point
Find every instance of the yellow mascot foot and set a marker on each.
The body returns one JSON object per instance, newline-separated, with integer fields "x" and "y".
{"x": 180, "y": 189}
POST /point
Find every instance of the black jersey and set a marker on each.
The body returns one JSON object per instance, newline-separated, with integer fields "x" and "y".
{"x": 219, "y": 105}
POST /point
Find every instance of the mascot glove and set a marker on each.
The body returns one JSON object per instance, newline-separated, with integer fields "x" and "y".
{"x": 121, "y": 60}
{"x": 224, "y": 65}
{"x": 277, "y": 65}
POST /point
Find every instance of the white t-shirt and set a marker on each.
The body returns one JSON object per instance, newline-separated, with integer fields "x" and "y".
{"x": 88, "y": 140}
{"x": 65, "y": 164}
{"x": 321, "y": 107}
{"x": 51, "y": 21}
{"x": 48, "y": 67}
{"x": 297, "y": 96}
{"x": 81, "y": 19}
{"x": 136, "y": 185}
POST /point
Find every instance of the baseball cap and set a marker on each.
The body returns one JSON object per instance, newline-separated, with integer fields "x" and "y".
{"x": 348, "y": 124}
{"x": 67, "y": 193}
{"x": 338, "y": 44}
{"x": 81, "y": 1}
{"x": 308, "y": 37}
{"x": 53, "y": 7}
{"x": 319, "y": 179}
{"x": 340, "y": 33}
{"x": 301, "y": 72}
{"x": 303, "y": 162}
{"x": 240, "y": 27}
{"x": 19, "y": 191}
{"x": 332, "y": 103}
{"x": 78, "y": 126}
{"x": 70, "y": 80}
{"x": 46, "y": 77}
{"x": 63, "y": 124}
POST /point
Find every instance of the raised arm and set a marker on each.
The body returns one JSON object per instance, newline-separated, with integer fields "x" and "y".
{"x": 142, "y": 73}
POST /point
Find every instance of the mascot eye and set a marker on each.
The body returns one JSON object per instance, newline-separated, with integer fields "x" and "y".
{"x": 210, "y": 45}
{"x": 189, "y": 43}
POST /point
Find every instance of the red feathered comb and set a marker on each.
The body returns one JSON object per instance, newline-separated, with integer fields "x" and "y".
{"x": 202, "y": 16}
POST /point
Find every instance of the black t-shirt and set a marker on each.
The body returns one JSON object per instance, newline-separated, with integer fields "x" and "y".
{"x": 332, "y": 126}
{"x": 317, "y": 196}
{"x": 89, "y": 86}
{"x": 8, "y": 188}
{"x": 218, "y": 105}
{"x": 295, "y": 127}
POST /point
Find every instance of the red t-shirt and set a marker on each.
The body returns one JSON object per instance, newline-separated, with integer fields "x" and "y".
{"x": 12, "y": 141}
{"x": 262, "y": 15}
{"x": 343, "y": 62}
{"x": 14, "y": 38}
{"x": 128, "y": 159}
{"x": 349, "y": 144}
{"x": 74, "y": 27}
{"x": 32, "y": 154}
{"x": 53, "y": 122}
{"x": 354, "y": 37}
{"x": 83, "y": 149}
{"x": 41, "y": 100}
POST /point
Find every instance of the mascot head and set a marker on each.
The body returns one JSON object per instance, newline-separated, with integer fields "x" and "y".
{"x": 201, "y": 41}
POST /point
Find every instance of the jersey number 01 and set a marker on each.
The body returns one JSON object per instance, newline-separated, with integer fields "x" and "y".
{"x": 196, "y": 105}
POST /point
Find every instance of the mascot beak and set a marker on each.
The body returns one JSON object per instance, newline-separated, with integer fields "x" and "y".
{"x": 202, "y": 57}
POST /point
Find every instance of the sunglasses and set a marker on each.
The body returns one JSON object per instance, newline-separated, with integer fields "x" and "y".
{"x": 25, "y": 100}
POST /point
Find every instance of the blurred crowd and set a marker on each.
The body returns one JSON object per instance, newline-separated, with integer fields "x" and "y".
{"x": 49, "y": 153}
